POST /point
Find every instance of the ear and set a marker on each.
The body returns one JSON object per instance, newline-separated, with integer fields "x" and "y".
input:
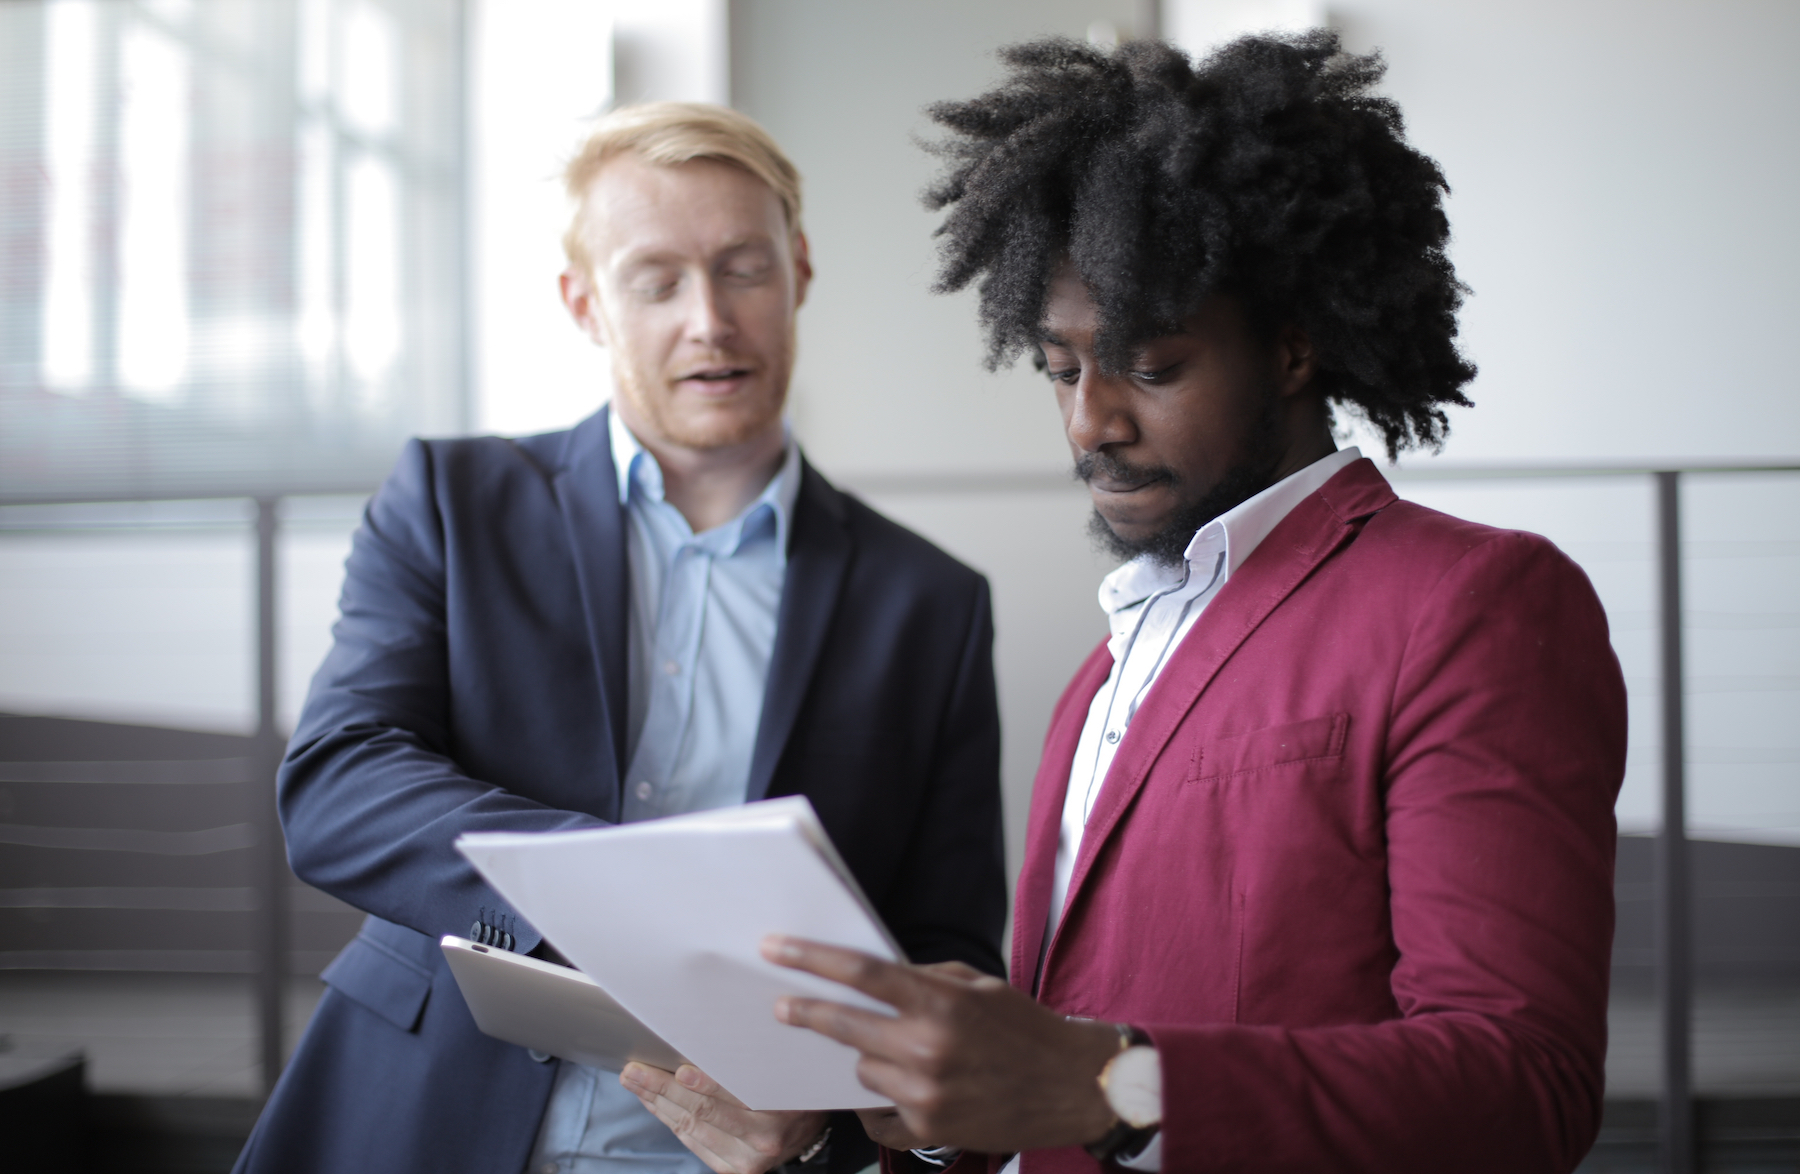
{"x": 803, "y": 270}
{"x": 1295, "y": 361}
{"x": 583, "y": 303}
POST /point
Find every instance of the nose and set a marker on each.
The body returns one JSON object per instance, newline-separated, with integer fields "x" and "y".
{"x": 1096, "y": 412}
{"x": 709, "y": 318}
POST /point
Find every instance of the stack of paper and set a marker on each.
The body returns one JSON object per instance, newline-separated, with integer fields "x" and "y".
{"x": 668, "y": 916}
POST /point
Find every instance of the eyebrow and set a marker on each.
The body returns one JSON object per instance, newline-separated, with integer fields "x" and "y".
{"x": 1052, "y": 338}
{"x": 656, "y": 255}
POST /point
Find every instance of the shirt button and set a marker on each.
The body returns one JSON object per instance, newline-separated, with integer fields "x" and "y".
{"x": 645, "y": 790}
{"x": 1112, "y": 736}
{"x": 671, "y": 667}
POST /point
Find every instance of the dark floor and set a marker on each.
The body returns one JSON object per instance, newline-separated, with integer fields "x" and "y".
{"x": 149, "y": 1034}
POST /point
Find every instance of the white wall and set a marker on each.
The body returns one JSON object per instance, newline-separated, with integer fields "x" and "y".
{"x": 1623, "y": 184}
{"x": 542, "y": 70}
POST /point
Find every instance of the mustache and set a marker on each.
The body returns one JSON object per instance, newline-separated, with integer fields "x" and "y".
{"x": 1104, "y": 464}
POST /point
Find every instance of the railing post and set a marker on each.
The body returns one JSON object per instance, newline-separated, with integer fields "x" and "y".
{"x": 1673, "y": 957}
{"x": 271, "y": 859}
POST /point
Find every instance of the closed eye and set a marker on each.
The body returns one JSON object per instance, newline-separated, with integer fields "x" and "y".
{"x": 1161, "y": 375}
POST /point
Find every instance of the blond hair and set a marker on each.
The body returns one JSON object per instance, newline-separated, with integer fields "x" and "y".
{"x": 667, "y": 134}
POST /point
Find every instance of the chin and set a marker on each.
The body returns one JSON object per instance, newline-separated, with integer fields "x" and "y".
{"x": 1131, "y": 528}
{"x": 720, "y": 429}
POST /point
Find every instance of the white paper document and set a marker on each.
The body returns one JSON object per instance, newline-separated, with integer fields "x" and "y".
{"x": 668, "y": 916}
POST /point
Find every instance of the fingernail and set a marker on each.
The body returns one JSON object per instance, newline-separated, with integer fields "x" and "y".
{"x": 632, "y": 1076}
{"x": 781, "y": 1011}
{"x": 780, "y": 949}
{"x": 688, "y": 1076}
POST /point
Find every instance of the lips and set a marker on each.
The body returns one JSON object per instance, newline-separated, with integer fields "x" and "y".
{"x": 1108, "y": 485}
{"x": 715, "y": 374}
{"x": 1105, "y": 473}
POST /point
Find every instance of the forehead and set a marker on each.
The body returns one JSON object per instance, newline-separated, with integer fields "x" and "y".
{"x": 1071, "y": 318}
{"x": 1069, "y": 309}
{"x": 634, "y": 208}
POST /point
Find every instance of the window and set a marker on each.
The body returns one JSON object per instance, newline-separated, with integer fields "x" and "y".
{"x": 233, "y": 239}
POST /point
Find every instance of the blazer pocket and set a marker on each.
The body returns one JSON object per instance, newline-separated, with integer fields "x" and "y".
{"x": 376, "y": 973}
{"x": 1315, "y": 739}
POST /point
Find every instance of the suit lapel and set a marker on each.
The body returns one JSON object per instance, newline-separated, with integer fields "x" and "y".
{"x": 819, "y": 552}
{"x": 1044, "y": 824}
{"x": 1316, "y": 528}
{"x": 587, "y": 490}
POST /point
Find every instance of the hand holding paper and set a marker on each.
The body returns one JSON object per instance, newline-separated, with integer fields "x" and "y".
{"x": 716, "y": 1126}
{"x": 682, "y": 952}
{"x": 970, "y": 1061}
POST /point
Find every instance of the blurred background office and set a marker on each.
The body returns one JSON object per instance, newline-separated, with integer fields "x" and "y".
{"x": 248, "y": 246}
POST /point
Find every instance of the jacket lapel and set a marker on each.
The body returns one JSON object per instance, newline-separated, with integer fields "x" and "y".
{"x": 1043, "y": 827}
{"x": 587, "y": 490}
{"x": 1309, "y": 535}
{"x": 819, "y": 551}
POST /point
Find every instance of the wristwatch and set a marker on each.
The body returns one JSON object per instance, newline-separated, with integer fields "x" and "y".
{"x": 1132, "y": 1085}
{"x": 813, "y": 1156}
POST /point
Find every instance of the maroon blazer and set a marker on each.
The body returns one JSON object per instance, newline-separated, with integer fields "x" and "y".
{"x": 1352, "y": 868}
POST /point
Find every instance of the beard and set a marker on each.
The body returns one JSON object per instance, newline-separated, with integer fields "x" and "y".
{"x": 680, "y": 420}
{"x": 1241, "y": 482}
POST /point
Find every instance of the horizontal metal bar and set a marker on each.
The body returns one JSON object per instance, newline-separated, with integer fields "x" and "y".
{"x": 1023, "y": 481}
{"x": 204, "y": 842}
{"x": 1043, "y": 481}
{"x": 218, "y": 899}
{"x": 165, "y": 772}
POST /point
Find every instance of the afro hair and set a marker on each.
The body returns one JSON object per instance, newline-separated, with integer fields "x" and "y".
{"x": 1269, "y": 172}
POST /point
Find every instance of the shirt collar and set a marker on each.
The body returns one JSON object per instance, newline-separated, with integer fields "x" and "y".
{"x": 1237, "y": 532}
{"x": 641, "y": 476}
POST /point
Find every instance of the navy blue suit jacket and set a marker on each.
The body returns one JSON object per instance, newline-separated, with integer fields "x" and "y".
{"x": 478, "y": 682}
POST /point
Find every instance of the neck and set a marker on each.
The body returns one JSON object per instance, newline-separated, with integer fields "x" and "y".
{"x": 1308, "y": 433}
{"x": 710, "y": 486}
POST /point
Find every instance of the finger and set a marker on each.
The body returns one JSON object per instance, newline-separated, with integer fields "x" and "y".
{"x": 705, "y": 1116}
{"x": 894, "y": 984}
{"x": 885, "y": 1127}
{"x": 898, "y": 1083}
{"x": 686, "y": 1115}
{"x": 671, "y": 1115}
{"x": 961, "y": 971}
{"x": 691, "y": 1078}
{"x": 866, "y": 1031}
{"x": 647, "y": 1081}
{"x": 641, "y": 1078}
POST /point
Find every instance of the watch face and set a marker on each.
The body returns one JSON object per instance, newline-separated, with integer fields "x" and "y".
{"x": 1134, "y": 1087}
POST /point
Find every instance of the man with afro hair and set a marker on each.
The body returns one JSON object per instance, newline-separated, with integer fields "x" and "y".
{"x": 1319, "y": 862}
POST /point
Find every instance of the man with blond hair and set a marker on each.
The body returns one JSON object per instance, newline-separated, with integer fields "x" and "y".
{"x": 664, "y": 609}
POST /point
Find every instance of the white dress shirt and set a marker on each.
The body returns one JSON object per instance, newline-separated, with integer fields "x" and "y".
{"x": 701, "y": 634}
{"x": 1151, "y": 608}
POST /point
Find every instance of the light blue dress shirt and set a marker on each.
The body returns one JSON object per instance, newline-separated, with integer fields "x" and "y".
{"x": 702, "y": 631}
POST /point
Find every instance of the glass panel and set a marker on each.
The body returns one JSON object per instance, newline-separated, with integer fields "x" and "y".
{"x": 247, "y": 276}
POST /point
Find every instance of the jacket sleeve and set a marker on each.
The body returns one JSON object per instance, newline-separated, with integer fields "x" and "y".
{"x": 1506, "y": 745}
{"x": 371, "y": 798}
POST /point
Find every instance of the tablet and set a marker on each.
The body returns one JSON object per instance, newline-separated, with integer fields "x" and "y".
{"x": 551, "y": 1008}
